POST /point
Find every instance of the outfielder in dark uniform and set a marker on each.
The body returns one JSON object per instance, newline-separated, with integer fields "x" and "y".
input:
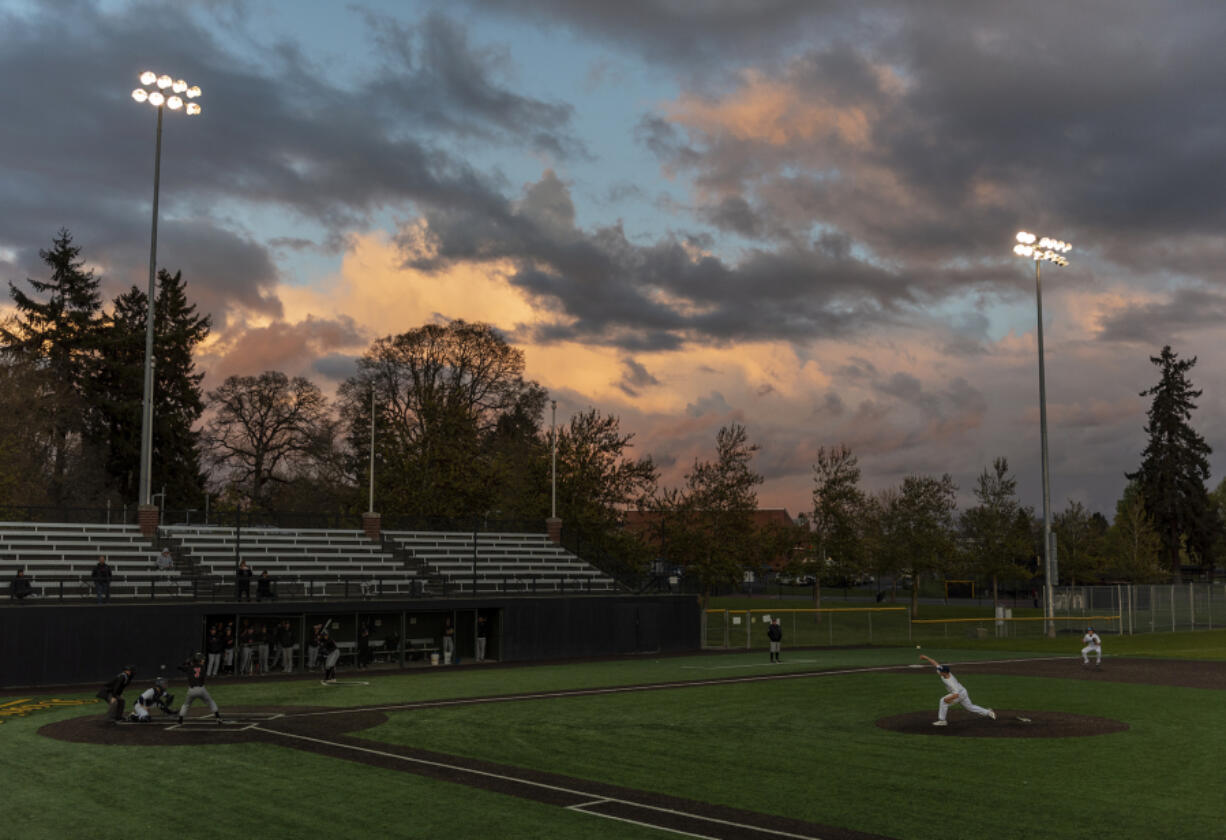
{"x": 112, "y": 692}
{"x": 194, "y": 668}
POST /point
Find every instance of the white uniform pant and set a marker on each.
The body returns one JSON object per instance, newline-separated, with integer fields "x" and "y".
{"x": 1097, "y": 650}
{"x": 196, "y": 692}
{"x": 214, "y": 664}
{"x": 140, "y": 711}
{"x": 961, "y": 697}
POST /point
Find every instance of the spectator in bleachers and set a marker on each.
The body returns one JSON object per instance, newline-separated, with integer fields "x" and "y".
{"x": 21, "y": 587}
{"x": 242, "y": 582}
{"x": 101, "y": 576}
{"x": 165, "y": 562}
{"x": 263, "y": 587}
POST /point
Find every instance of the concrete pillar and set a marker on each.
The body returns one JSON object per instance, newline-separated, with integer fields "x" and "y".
{"x": 372, "y": 524}
{"x": 553, "y": 527}
{"x": 147, "y": 519}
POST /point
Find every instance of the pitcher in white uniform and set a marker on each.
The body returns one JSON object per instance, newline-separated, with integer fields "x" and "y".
{"x": 957, "y": 694}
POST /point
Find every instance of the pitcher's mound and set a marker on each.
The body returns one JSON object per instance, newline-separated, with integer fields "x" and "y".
{"x": 1009, "y": 723}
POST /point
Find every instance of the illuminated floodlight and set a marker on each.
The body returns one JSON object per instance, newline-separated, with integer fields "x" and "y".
{"x": 179, "y": 86}
{"x": 157, "y": 99}
{"x": 148, "y": 77}
{"x": 174, "y": 103}
{"x": 192, "y": 109}
{"x": 165, "y": 81}
{"x": 140, "y": 94}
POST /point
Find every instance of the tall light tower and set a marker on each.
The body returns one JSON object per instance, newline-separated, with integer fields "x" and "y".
{"x": 161, "y": 92}
{"x": 1052, "y": 251}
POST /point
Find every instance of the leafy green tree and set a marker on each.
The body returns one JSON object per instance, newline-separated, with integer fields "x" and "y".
{"x": 23, "y": 440}
{"x": 262, "y": 430}
{"x": 598, "y": 482}
{"x": 1133, "y": 546}
{"x": 838, "y": 516}
{"x": 922, "y": 523}
{"x": 717, "y": 510}
{"x": 1079, "y": 537}
{"x": 1175, "y": 466}
{"x": 56, "y": 330}
{"x": 443, "y": 393}
{"x": 990, "y": 533}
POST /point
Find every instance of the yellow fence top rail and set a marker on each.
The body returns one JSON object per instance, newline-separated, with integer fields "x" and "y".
{"x": 1083, "y": 619}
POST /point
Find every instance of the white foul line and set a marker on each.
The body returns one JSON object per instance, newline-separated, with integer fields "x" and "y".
{"x": 545, "y": 786}
{"x": 591, "y": 692}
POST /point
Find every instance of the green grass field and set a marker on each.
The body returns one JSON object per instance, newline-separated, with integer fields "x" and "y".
{"x": 804, "y": 748}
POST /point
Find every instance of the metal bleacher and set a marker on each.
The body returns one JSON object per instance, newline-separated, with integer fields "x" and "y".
{"x": 59, "y": 557}
{"x": 302, "y": 562}
{"x": 490, "y": 562}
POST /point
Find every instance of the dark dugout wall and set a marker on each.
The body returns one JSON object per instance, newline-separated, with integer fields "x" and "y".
{"x": 50, "y": 644}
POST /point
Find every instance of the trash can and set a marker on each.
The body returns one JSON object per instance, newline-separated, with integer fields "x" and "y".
{"x": 434, "y": 659}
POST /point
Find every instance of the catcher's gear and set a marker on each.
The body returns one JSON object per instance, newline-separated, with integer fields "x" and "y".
{"x": 166, "y": 703}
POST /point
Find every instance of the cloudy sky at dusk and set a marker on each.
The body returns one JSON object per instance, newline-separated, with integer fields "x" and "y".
{"x": 793, "y": 215}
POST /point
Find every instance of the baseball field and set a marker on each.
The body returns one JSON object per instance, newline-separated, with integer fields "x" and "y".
{"x": 832, "y": 743}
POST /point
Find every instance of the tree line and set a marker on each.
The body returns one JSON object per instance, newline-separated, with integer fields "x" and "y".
{"x": 459, "y": 432}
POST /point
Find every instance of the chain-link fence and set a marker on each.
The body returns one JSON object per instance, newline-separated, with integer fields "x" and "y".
{"x": 1147, "y": 609}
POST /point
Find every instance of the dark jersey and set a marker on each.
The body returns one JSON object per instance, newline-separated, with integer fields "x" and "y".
{"x": 115, "y": 687}
{"x": 774, "y": 633}
{"x": 194, "y": 671}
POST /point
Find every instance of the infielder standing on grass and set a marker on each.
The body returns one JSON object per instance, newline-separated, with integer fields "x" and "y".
{"x": 194, "y": 668}
{"x": 957, "y": 694}
{"x": 1093, "y": 644}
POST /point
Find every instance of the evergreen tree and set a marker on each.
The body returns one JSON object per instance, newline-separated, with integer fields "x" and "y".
{"x": 57, "y": 330}
{"x": 1175, "y": 466}
{"x": 178, "y": 398}
{"x": 116, "y": 393}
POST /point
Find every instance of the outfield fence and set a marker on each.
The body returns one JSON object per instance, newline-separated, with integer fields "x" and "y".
{"x": 1168, "y": 608}
{"x": 1121, "y": 609}
{"x": 746, "y": 629}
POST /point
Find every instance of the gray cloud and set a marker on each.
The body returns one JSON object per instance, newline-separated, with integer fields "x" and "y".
{"x": 279, "y": 135}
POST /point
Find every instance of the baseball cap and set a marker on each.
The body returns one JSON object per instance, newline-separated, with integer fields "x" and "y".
{"x": 944, "y": 669}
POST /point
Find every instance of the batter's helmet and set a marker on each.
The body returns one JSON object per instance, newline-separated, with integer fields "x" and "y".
{"x": 944, "y": 669}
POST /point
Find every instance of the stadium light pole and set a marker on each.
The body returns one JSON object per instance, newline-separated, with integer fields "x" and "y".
{"x": 553, "y": 463}
{"x": 161, "y": 92}
{"x": 372, "y": 448}
{"x": 1052, "y": 251}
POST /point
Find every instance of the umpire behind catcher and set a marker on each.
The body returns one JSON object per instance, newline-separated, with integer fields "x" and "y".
{"x": 112, "y": 692}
